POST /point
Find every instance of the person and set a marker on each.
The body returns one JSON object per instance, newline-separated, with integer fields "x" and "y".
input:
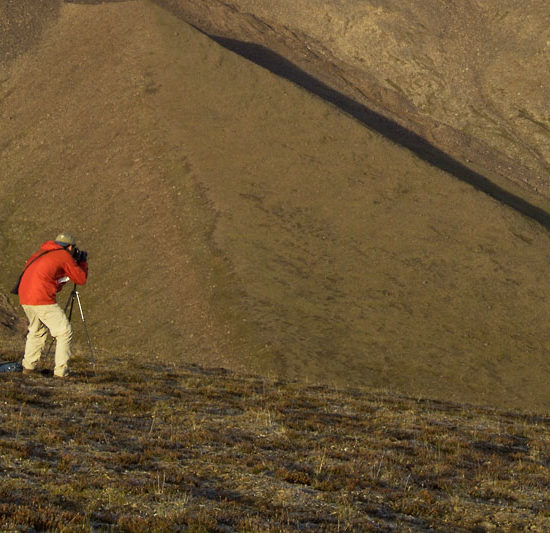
{"x": 45, "y": 274}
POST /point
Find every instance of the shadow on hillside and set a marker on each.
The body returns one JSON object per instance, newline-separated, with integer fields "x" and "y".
{"x": 95, "y": 2}
{"x": 390, "y": 129}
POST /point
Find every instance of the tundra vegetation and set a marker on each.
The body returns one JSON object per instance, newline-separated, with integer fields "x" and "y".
{"x": 163, "y": 448}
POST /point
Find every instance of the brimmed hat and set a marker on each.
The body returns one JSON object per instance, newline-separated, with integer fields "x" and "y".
{"x": 65, "y": 239}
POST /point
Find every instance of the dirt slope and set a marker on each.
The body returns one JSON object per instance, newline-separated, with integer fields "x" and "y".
{"x": 234, "y": 219}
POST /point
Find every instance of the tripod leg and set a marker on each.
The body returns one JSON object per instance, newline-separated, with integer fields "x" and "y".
{"x": 92, "y": 358}
{"x": 71, "y": 301}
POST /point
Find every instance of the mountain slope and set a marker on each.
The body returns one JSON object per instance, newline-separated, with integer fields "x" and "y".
{"x": 470, "y": 77}
{"x": 235, "y": 220}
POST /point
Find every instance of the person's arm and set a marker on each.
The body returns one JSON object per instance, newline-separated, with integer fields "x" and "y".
{"x": 77, "y": 272}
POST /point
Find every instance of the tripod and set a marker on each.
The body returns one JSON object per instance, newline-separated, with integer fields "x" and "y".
{"x": 75, "y": 296}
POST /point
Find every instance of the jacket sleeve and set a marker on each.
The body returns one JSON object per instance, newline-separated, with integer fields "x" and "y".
{"x": 78, "y": 273}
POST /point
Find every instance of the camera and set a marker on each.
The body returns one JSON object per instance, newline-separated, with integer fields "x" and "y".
{"x": 79, "y": 255}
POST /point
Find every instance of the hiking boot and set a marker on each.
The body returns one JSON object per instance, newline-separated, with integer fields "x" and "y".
{"x": 36, "y": 372}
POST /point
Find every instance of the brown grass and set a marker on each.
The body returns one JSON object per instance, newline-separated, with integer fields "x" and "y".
{"x": 153, "y": 448}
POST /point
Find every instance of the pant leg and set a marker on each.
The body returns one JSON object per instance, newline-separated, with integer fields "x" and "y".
{"x": 55, "y": 319}
{"x": 36, "y": 338}
{"x": 60, "y": 328}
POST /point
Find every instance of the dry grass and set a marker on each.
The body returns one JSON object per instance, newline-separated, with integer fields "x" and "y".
{"x": 162, "y": 449}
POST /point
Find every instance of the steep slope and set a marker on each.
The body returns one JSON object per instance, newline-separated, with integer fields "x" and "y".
{"x": 234, "y": 219}
{"x": 83, "y": 150}
{"x": 471, "y": 77}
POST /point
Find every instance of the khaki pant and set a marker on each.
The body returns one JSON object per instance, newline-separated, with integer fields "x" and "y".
{"x": 41, "y": 319}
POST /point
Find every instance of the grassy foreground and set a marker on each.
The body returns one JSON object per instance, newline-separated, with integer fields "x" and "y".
{"x": 150, "y": 448}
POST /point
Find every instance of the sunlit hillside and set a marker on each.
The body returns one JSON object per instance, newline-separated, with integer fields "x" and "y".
{"x": 233, "y": 218}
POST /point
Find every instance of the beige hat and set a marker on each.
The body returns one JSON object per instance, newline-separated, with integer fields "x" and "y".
{"x": 65, "y": 239}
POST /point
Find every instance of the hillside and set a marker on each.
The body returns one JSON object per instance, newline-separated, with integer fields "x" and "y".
{"x": 235, "y": 219}
{"x": 470, "y": 78}
{"x": 172, "y": 448}
{"x": 318, "y": 241}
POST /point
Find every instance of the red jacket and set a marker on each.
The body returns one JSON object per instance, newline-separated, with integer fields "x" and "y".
{"x": 39, "y": 284}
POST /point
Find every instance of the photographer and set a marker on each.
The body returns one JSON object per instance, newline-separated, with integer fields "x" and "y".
{"x": 45, "y": 274}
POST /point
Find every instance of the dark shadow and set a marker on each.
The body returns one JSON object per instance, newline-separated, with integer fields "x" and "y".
{"x": 390, "y": 129}
{"x": 22, "y": 25}
{"x": 95, "y": 2}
